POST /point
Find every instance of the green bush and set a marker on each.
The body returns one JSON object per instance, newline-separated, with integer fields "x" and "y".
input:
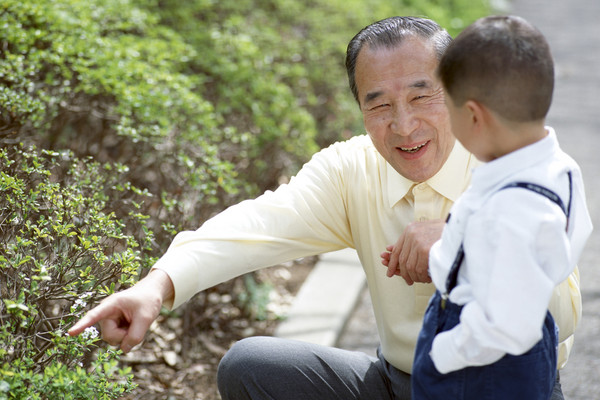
{"x": 103, "y": 79}
{"x": 63, "y": 247}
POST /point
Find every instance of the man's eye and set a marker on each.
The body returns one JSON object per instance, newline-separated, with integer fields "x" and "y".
{"x": 420, "y": 97}
{"x": 379, "y": 107}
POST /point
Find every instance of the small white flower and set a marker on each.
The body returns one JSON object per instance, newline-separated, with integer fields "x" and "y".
{"x": 90, "y": 333}
{"x": 78, "y": 305}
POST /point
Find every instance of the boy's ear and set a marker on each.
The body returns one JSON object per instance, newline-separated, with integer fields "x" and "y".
{"x": 477, "y": 114}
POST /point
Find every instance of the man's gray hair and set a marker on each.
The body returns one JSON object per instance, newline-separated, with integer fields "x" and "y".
{"x": 390, "y": 32}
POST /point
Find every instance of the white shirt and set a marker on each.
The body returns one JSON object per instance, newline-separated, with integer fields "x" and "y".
{"x": 516, "y": 251}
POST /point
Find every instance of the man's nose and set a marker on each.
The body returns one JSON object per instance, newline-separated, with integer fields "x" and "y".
{"x": 404, "y": 121}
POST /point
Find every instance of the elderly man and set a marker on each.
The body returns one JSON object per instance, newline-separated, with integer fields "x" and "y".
{"x": 394, "y": 185}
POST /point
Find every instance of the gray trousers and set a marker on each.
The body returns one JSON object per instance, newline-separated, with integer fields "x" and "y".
{"x": 279, "y": 369}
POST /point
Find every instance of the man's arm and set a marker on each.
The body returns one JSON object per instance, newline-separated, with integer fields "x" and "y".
{"x": 305, "y": 217}
{"x": 125, "y": 317}
{"x": 565, "y": 307}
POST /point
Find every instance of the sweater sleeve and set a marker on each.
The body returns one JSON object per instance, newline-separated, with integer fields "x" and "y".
{"x": 302, "y": 218}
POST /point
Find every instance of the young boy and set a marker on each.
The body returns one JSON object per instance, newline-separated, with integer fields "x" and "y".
{"x": 512, "y": 236}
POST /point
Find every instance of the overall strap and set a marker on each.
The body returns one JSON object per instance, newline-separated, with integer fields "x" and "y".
{"x": 534, "y": 187}
{"x": 452, "y": 278}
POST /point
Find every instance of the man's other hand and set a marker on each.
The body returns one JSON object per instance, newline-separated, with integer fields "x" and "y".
{"x": 409, "y": 257}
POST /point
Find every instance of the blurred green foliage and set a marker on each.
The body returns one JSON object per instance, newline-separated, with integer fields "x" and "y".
{"x": 125, "y": 121}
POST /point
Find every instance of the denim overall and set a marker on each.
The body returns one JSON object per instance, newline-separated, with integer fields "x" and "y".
{"x": 529, "y": 376}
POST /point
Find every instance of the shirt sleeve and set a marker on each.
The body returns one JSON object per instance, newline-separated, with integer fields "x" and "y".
{"x": 512, "y": 265}
{"x": 305, "y": 217}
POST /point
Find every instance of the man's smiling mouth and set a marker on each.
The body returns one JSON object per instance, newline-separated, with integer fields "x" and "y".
{"x": 413, "y": 149}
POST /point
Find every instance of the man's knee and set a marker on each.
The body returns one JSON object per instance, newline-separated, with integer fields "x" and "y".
{"x": 242, "y": 364}
{"x": 557, "y": 393}
{"x": 241, "y": 352}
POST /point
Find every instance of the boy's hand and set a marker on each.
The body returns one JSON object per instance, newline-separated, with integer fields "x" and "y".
{"x": 125, "y": 317}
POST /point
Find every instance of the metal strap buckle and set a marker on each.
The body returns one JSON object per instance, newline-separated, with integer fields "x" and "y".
{"x": 443, "y": 300}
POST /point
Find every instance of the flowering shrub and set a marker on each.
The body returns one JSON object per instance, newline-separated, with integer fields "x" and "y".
{"x": 64, "y": 245}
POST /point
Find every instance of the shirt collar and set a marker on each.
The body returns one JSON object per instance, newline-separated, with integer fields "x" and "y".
{"x": 499, "y": 170}
{"x": 450, "y": 181}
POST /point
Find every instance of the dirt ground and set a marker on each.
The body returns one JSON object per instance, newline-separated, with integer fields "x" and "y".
{"x": 180, "y": 354}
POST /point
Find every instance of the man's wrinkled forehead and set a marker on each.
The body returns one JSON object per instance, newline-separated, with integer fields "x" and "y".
{"x": 408, "y": 67}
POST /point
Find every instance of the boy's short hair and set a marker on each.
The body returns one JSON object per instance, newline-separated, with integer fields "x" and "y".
{"x": 503, "y": 62}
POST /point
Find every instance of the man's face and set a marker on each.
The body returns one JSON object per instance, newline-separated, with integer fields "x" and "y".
{"x": 403, "y": 109}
